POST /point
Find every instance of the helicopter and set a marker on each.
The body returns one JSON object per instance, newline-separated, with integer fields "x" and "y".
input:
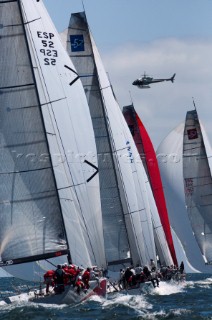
{"x": 143, "y": 83}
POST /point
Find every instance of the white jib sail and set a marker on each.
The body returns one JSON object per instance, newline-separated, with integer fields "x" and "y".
{"x": 130, "y": 170}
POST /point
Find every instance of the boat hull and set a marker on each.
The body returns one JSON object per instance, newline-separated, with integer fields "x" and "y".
{"x": 69, "y": 296}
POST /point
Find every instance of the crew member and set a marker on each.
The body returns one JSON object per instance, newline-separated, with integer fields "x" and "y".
{"x": 86, "y": 278}
{"x": 49, "y": 279}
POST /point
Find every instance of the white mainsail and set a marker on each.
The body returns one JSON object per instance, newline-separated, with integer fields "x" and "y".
{"x": 45, "y": 119}
{"x": 132, "y": 210}
{"x": 183, "y": 159}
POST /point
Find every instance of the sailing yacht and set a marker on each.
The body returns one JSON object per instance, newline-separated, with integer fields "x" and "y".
{"x": 49, "y": 194}
{"x": 163, "y": 236}
{"x": 184, "y": 158}
{"x": 127, "y": 223}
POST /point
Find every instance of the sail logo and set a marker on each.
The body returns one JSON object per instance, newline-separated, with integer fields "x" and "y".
{"x": 192, "y": 134}
{"x": 77, "y": 43}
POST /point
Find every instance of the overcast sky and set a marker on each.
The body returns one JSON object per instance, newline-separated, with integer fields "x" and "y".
{"x": 160, "y": 37}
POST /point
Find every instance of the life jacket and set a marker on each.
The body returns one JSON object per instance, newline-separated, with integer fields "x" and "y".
{"x": 86, "y": 276}
{"x": 72, "y": 272}
{"x": 80, "y": 284}
{"x": 49, "y": 274}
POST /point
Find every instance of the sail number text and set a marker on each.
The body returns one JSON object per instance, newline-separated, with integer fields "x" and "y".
{"x": 47, "y": 50}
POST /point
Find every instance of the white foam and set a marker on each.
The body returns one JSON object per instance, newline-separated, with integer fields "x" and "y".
{"x": 133, "y": 301}
{"x": 168, "y": 288}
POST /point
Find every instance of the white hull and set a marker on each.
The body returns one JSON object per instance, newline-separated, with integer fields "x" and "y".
{"x": 69, "y": 296}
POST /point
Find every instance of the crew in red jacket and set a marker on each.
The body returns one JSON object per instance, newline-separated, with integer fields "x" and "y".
{"x": 49, "y": 279}
{"x": 86, "y": 278}
{"x": 79, "y": 284}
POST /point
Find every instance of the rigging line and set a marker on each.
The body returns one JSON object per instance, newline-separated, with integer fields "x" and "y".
{"x": 71, "y": 186}
{"x": 10, "y": 25}
{"x": 105, "y": 88}
{"x": 8, "y": 1}
{"x": 28, "y": 200}
{"x": 52, "y": 101}
{"x": 22, "y": 108}
{"x": 17, "y": 86}
{"x": 54, "y": 265}
{"x": 66, "y": 199}
{"x": 28, "y": 22}
{"x": 131, "y": 212}
{"x": 23, "y": 171}
{"x": 206, "y": 195}
{"x": 31, "y": 143}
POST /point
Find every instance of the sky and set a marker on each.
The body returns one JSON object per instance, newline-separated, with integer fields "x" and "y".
{"x": 160, "y": 38}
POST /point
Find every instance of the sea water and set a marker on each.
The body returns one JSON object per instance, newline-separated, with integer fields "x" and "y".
{"x": 187, "y": 300}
